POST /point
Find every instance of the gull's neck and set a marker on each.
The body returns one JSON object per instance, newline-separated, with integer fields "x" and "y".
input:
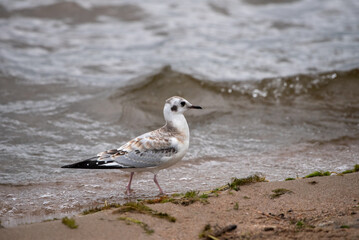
{"x": 177, "y": 121}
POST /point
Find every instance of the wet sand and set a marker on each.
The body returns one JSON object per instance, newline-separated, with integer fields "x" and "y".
{"x": 316, "y": 208}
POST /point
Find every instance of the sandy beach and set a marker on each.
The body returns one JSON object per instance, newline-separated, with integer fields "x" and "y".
{"x": 311, "y": 208}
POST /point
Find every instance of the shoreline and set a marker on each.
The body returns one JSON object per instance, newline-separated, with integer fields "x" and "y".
{"x": 318, "y": 207}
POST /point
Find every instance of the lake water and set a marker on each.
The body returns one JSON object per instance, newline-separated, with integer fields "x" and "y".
{"x": 278, "y": 81}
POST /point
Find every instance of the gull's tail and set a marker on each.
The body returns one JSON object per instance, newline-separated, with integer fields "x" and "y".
{"x": 94, "y": 163}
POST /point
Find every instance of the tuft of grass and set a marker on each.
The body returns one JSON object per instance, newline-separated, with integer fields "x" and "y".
{"x": 166, "y": 200}
{"x": 236, "y": 206}
{"x": 162, "y": 199}
{"x": 91, "y": 210}
{"x": 289, "y": 179}
{"x": 204, "y": 196}
{"x": 190, "y": 197}
{"x": 145, "y": 226}
{"x": 70, "y": 222}
{"x": 98, "y": 209}
{"x": 191, "y": 194}
{"x": 177, "y": 195}
{"x": 344, "y": 226}
{"x": 279, "y": 192}
{"x": 237, "y": 182}
{"x": 165, "y": 216}
{"x": 300, "y": 224}
{"x": 184, "y": 199}
{"x": 355, "y": 169}
{"x": 246, "y": 197}
{"x": 187, "y": 199}
{"x": 141, "y": 208}
{"x": 318, "y": 174}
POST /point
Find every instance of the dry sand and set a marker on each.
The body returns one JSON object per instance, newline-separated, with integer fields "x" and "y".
{"x": 317, "y": 208}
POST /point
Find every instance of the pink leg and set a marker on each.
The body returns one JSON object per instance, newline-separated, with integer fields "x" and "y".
{"x": 155, "y": 180}
{"x": 128, "y": 188}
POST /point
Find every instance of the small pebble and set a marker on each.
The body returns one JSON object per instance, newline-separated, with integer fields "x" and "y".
{"x": 269, "y": 229}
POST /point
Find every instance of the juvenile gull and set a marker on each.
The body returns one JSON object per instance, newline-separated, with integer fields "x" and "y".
{"x": 151, "y": 151}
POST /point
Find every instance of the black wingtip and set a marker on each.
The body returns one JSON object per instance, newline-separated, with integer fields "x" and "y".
{"x": 68, "y": 166}
{"x": 91, "y": 163}
{"x": 83, "y": 164}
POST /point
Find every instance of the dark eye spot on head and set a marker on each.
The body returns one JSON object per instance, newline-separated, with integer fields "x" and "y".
{"x": 174, "y": 108}
{"x": 183, "y": 103}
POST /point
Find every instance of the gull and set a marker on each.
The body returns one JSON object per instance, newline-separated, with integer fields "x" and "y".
{"x": 152, "y": 151}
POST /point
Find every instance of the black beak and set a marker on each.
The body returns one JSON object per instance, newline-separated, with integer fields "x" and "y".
{"x": 195, "y": 107}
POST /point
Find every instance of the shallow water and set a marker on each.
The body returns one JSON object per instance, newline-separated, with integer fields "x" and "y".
{"x": 278, "y": 81}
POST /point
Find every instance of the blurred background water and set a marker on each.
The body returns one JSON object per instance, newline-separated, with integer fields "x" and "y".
{"x": 279, "y": 81}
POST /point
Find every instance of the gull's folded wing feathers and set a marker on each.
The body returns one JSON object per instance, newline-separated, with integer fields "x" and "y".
{"x": 147, "y": 150}
{"x": 104, "y": 156}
